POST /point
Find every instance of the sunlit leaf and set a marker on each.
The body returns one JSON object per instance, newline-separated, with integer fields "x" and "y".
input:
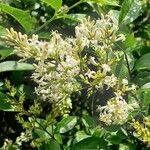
{"x": 145, "y": 86}
{"x": 130, "y": 11}
{"x": 104, "y": 2}
{"x": 14, "y": 66}
{"x": 66, "y": 124}
{"x": 4, "y": 105}
{"x": 88, "y": 121}
{"x": 4, "y": 53}
{"x": 21, "y": 16}
{"x": 50, "y": 145}
{"x": 143, "y": 62}
{"x": 127, "y": 146}
{"x": 55, "y": 4}
{"x": 90, "y": 143}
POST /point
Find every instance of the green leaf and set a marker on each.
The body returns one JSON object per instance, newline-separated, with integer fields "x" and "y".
{"x": 129, "y": 41}
{"x": 104, "y": 2}
{"x": 14, "y": 66}
{"x": 50, "y": 145}
{"x": 127, "y": 146}
{"x": 55, "y": 4}
{"x": 66, "y": 124}
{"x": 88, "y": 121}
{"x": 4, "y": 53}
{"x": 146, "y": 86}
{"x": 2, "y": 30}
{"x": 130, "y": 10}
{"x": 72, "y": 19}
{"x": 120, "y": 69}
{"x": 90, "y": 143}
{"x": 58, "y": 138}
{"x": 122, "y": 133}
{"x": 99, "y": 132}
{"x": 4, "y": 105}
{"x": 80, "y": 135}
{"x": 125, "y": 9}
{"x": 21, "y": 16}
{"x": 143, "y": 62}
{"x": 38, "y": 133}
{"x": 114, "y": 139}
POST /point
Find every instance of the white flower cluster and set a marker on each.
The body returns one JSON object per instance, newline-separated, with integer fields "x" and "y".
{"x": 59, "y": 63}
{"x": 100, "y": 33}
{"x": 24, "y": 137}
{"x": 116, "y": 111}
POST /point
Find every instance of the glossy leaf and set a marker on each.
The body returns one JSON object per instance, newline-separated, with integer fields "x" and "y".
{"x": 72, "y": 19}
{"x": 114, "y": 139}
{"x": 66, "y": 124}
{"x": 4, "y": 53}
{"x": 125, "y": 9}
{"x": 130, "y": 11}
{"x": 145, "y": 86}
{"x": 120, "y": 69}
{"x": 129, "y": 41}
{"x": 90, "y": 143}
{"x": 104, "y": 2}
{"x": 55, "y": 4}
{"x": 58, "y": 138}
{"x": 88, "y": 121}
{"x": 2, "y": 30}
{"x": 38, "y": 133}
{"x": 80, "y": 135}
{"x": 127, "y": 146}
{"x": 4, "y": 105}
{"x": 50, "y": 145}
{"x": 14, "y": 66}
{"x": 143, "y": 62}
{"x": 21, "y": 16}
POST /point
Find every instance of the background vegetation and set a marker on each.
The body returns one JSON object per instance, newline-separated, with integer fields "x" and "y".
{"x": 26, "y": 123}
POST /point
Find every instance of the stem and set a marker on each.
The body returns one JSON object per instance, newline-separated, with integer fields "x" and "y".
{"x": 42, "y": 127}
{"x": 106, "y": 57}
{"x": 56, "y": 16}
{"x": 128, "y": 66}
{"x": 126, "y": 58}
{"x": 45, "y": 24}
{"x": 136, "y": 98}
{"x": 74, "y": 5}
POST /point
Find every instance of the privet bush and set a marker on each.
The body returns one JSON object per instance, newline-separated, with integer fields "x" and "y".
{"x": 64, "y": 66}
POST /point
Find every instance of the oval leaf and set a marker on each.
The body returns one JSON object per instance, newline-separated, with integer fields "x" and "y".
{"x": 2, "y": 30}
{"x": 88, "y": 121}
{"x": 143, "y": 62}
{"x": 130, "y": 11}
{"x": 21, "y": 16}
{"x": 66, "y": 124}
{"x": 90, "y": 143}
{"x": 146, "y": 86}
{"x": 4, "y": 105}
{"x": 51, "y": 145}
{"x": 55, "y": 4}
{"x": 104, "y": 2}
{"x": 14, "y": 66}
{"x": 5, "y": 53}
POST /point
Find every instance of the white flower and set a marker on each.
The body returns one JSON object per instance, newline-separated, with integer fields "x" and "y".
{"x": 106, "y": 68}
{"x": 115, "y": 112}
{"x": 90, "y": 74}
{"x": 110, "y": 81}
{"x": 124, "y": 81}
{"x": 132, "y": 88}
{"x": 121, "y": 37}
{"x": 92, "y": 61}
